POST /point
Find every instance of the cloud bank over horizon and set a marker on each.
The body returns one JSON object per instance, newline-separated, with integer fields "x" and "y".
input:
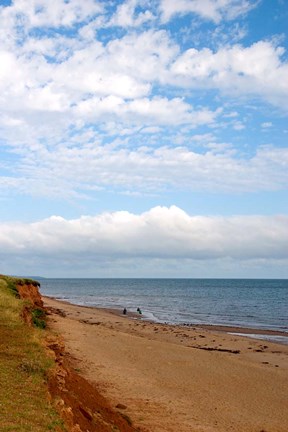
{"x": 156, "y": 235}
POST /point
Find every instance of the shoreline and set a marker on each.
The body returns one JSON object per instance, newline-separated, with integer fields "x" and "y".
{"x": 281, "y": 337}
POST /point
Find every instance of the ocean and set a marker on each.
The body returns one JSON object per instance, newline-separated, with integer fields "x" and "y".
{"x": 252, "y": 303}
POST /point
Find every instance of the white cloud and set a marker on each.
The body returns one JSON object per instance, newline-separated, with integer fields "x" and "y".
{"x": 151, "y": 130}
{"x": 78, "y": 171}
{"x": 145, "y": 55}
{"x": 225, "y": 34}
{"x": 140, "y": 111}
{"x": 266, "y": 125}
{"x": 237, "y": 125}
{"x": 55, "y": 13}
{"x": 125, "y": 68}
{"x": 256, "y": 70}
{"x": 214, "y": 10}
{"x": 131, "y": 67}
{"x": 161, "y": 232}
{"x": 125, "y": 15}
{"x": 161, "y": 111}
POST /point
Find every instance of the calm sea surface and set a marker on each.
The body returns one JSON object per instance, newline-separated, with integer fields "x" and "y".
{"x": 259, "y": 304}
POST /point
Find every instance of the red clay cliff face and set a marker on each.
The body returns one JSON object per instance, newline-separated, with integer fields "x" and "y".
{"x": 30, "y": 292}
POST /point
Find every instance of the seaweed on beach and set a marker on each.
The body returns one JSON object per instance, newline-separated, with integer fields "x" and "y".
{"x": 216, "y": 349}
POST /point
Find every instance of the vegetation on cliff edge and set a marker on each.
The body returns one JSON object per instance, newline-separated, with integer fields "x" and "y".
{"x": 24, "y": 401}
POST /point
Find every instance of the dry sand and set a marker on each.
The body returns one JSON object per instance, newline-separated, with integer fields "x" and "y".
{"x": 177, "y": 378}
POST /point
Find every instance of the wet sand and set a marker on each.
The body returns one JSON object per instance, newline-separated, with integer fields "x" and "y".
{"x": 177, "y": 378}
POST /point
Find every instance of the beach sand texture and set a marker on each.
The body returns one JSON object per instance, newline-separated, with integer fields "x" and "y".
{"x": 176, "y": 378}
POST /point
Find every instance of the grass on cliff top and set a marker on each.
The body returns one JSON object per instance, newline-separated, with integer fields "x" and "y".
{"x": 24, "y": 403}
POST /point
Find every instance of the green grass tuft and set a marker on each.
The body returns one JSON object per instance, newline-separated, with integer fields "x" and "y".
{"x": 39, "y": 318}
{"x": 24, "y": 367}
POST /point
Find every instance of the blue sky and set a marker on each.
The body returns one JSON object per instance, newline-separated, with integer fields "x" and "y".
{"x": 144, "y": 138}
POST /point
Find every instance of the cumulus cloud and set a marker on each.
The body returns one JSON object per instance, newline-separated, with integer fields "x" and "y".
{"x": 123, "y": 68}
{"x": 255, "y": 70}
{"x": 214, "y": 10}
{"x": 58, "y": 74}
{"x": 143, "y": 111}
{"x": 125, "y": 15}
{"x": 55, "y": 13}
{"x": 159, "y": 233}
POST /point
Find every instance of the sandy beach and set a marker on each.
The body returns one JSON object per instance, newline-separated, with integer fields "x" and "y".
{"x": 184, "y": 378}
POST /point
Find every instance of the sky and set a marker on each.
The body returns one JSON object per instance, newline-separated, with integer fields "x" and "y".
{"x": 144, "y": 138}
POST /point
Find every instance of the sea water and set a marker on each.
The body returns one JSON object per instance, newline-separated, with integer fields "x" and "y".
{"x": 253, "y": 303}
